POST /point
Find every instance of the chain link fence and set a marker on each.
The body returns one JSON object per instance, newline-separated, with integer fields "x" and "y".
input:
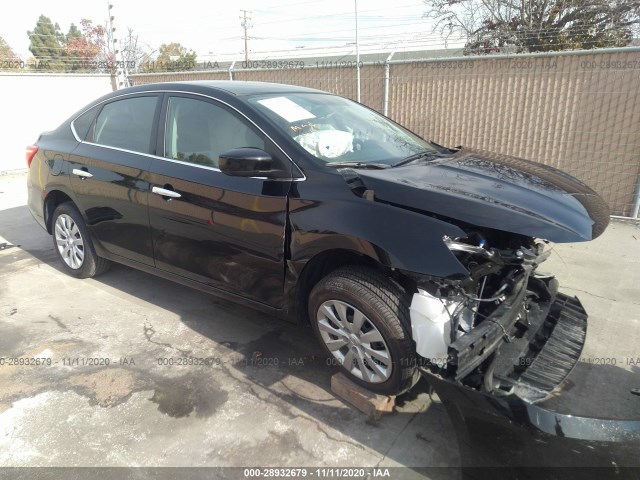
{"x": 578, "y": 111}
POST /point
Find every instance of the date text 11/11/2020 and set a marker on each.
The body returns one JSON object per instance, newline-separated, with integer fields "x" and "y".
{"x": 328, "y": 472}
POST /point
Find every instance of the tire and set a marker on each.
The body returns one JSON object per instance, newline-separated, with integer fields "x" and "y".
{"x": 73, "y": 244}
{"x": 387, "y": 366}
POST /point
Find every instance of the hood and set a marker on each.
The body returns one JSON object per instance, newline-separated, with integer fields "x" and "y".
{"x": 495, "y": 191}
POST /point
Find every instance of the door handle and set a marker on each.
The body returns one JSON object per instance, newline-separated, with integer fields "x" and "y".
{"x": 165, "y": 193}
{"x": 81, "y": 173}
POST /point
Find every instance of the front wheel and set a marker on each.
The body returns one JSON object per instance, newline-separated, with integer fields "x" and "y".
{"x": 73, "y": 244}
{"x": 361, "y": 317}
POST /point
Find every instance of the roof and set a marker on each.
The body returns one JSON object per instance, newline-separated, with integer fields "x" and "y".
{"x": 234, "y": 87}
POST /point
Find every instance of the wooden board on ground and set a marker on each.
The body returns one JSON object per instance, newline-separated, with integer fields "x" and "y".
{"x": 372, "y": 404}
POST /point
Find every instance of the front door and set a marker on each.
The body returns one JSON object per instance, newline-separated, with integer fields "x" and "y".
{"x": 223, "y": 231}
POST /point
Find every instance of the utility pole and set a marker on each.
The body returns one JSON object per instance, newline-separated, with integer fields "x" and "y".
{"x": 246, "y": 26}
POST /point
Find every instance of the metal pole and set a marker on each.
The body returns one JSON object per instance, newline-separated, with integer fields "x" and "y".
{"x": 636, "y": 202}
{"x": 357, "y": 56}
{"x": 233, "y": 64}
{"x": 112, "y": 44}
{"x": 385, "y": 102}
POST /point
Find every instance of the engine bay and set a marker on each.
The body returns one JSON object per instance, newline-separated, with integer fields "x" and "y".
{"x": 504, "y": 329}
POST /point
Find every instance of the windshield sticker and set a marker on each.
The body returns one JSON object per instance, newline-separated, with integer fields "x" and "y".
{"x": 287, "y": 109}
{"x": 297, "y": 128}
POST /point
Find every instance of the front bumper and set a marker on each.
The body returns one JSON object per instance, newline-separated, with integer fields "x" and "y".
{"x": 506, "y": 428}
{"x": 510, "y": 433}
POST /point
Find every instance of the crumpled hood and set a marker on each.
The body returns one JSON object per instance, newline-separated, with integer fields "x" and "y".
{"x": 496, "y": 191}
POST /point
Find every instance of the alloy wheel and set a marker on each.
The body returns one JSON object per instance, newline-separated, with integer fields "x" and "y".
{"x": 354, "y": 341}
{"x": 69, "y": 241}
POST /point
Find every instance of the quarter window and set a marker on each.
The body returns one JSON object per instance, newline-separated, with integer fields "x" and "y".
{"x": 83, "y": 123}
{"x": 126, "y": 124}
{"x": 198, "y": 132}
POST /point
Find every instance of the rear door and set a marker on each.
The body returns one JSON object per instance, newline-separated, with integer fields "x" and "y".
{"x": 109, "y": 171}
{"x": 223, "y": 231}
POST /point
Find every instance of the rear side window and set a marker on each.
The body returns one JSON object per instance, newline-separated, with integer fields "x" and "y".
{"x": 126, "y": 124}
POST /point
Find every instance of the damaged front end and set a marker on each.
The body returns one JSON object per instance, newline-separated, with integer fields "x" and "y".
{"x": 494, "y": 336}
{"x": 504, "y": 329}
{"x": 495, "y": 344}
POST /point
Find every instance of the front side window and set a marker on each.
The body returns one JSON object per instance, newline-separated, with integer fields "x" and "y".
{"x": 198, "y": 132}
{"x": 335, "y": 129}
{"x": 126, "y": 124}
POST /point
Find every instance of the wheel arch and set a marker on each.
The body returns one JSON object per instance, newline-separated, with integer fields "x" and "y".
{"x": 51, "y": 202}
{"x": 325, "y": 262}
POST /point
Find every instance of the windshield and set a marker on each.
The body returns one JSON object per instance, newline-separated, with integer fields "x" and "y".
{"x": 335, "y": 129}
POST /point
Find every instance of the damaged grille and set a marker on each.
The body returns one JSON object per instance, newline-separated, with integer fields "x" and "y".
{"x": 525, "y": 349}
{"x": 558, "y": 355}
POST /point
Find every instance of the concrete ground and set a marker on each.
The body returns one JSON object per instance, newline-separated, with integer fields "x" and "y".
{"x": 264, "y": 399}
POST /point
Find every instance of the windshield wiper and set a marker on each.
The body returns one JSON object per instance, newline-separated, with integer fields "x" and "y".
{"x": 377, "y": 166}
{"x": 442, "y": 147}
{"x": 418, "y": 156}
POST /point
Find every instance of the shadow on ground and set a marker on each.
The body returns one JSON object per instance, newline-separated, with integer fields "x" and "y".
{"x": 273, "y": 355}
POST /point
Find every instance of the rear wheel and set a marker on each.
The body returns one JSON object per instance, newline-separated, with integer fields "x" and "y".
{"x": 361, "y": 318}
{"x": 73, "y": 243}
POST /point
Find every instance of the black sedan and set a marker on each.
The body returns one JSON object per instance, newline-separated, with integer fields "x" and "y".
{"x": 407, "y": 258}
{"x": 403, "y": 255}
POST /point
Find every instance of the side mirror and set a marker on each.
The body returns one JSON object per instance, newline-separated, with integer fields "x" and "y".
{"x": 245, "y": 162}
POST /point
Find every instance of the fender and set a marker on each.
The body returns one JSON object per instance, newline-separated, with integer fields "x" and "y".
{"x": 395, "y": 237}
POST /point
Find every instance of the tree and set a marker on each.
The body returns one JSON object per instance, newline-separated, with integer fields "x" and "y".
{"x": 73, "y": 32}
{"x": 6, "y": 53}
{"x": 134, "y": 54}
{"x": 173, "y": 57}
{"x": 48, "y": 43}
{"x": 490, "y": 26}
{"x": 85, "y": 49}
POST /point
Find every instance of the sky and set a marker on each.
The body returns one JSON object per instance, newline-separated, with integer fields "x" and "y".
{"x": 280, "y": 28}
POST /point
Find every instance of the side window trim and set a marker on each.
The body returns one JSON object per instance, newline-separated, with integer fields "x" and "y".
{"x": 153, "y": 146}
{"x": 161, "y": 126}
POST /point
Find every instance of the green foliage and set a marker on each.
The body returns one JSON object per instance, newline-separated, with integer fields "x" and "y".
{"x": 77, "y": 51}
{"x": 73, "y": 33}
{"x": 173, "y": 57}
{"x": 86, "y": 48}
{"x": 48, "y": 44}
